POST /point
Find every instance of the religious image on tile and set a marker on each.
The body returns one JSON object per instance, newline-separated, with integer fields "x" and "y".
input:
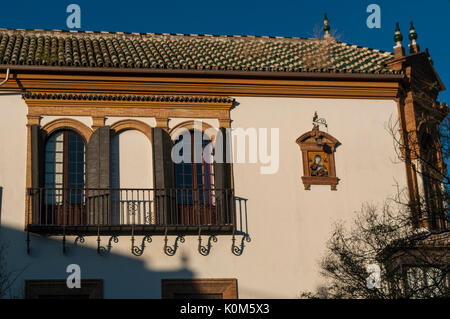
{"x": 318, "y": 164}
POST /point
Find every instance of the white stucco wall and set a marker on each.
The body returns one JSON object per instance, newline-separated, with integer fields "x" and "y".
{"x": 287, "y": 224}
{"x": 134, "y": 159}
{"x": 13, "y": 141}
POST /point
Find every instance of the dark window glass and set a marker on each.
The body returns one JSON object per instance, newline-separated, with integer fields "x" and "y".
{"x": 194, "y": 178}
{"x": 64, "y": 168}
{"x": 194, "y": 181}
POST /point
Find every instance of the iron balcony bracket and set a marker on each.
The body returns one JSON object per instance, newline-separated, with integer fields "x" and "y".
{"x": 79, "y": 239}
{"x": 171, "y": 250}
{"x": 136, "y": 250}
{"x": 238, "y": 250}
{"x": 205, "y": 250}
{"x": 105, "y": 251}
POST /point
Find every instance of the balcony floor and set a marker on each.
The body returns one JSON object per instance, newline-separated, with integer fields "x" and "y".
{"x": 110, "y": 230}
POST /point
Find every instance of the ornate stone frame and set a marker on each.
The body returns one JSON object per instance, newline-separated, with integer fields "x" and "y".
{"x": 308, "y": 142}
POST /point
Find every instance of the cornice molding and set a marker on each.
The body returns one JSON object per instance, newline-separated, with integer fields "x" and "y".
{"x": 128, "y": 99}
{"x": 130, "y": 105}
{"x": 356, "y": 87}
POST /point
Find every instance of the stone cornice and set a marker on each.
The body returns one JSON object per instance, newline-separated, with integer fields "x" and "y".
{"x": 127, "y": 100}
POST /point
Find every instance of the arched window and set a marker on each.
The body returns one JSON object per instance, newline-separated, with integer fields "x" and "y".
{"x": 194, "y": 180}
{"x": 64, "y": 178}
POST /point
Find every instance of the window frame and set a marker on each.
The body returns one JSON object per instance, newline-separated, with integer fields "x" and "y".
{"x": 227, "y": 287}
{"x": 58, "y": 287}
{"x": 207, "y": 169}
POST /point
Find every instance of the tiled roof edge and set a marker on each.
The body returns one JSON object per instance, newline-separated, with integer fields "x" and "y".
{"x": 305, "y": 72}
{"x": 128, "y": 97}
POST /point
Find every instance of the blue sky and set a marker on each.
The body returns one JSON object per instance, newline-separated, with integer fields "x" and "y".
{"x": 274, "y": 18}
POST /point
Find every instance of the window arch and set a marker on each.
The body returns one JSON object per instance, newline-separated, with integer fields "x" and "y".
{"x": 128, "y": 124}
{"x": 68, "y": 123}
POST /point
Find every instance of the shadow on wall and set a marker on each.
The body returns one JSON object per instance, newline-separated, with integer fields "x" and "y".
{"x": 123, "y": 276}
{"x": 241, "y": 215}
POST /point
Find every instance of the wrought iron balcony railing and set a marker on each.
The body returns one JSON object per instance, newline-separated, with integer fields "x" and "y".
{"x": 56, "y": 211}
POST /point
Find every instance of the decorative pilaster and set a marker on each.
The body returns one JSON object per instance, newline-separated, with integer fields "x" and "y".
{"x": 97, "y": 122}
{"x": 226, "y": 123}
{"x": 162, "y": 122}
{"x": 33, "y": 120}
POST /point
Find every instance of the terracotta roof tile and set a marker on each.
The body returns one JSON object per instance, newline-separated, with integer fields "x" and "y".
{"x": 178, "y": 51}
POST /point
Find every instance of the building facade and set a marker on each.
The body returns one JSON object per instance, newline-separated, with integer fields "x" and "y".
{"x": 287, "y": 136}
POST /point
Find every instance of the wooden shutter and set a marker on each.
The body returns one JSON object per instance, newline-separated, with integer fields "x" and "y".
{"x": 97, "y": 176}
{"x": 38, "y": 138}
{"x": 97, "y": 159}
{"x": 163, "y": 172}
{"x": 223, "y": 178}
